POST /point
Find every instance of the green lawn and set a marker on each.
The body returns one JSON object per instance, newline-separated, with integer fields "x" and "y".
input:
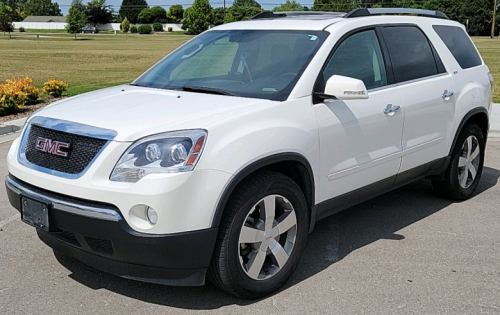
{"x": 490, "y": 50}
{"x": 91, "y": 62}
{"x": 96, "y": 61}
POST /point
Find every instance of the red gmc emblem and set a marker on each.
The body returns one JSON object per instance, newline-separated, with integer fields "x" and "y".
{"x": 51, "y": 146}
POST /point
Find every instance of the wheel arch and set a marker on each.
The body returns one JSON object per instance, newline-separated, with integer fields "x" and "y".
{"x": 292, "y": 165}
{"x": 477, "y": 115}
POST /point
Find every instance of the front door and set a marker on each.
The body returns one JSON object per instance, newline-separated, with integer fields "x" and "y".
{"x": 360, "y": 140}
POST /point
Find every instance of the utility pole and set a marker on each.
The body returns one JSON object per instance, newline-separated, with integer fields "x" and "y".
{"x": 494, "y": 16}
{"x": 224, "y": 10}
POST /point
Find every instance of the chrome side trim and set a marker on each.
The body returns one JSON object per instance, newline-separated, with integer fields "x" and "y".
{"x": 66, "y": 206}
{"x": 408, "y": 82}
{"x": 63, "y": 126}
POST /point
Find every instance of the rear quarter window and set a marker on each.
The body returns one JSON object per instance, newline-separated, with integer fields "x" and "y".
{"x": 459, "y": 44}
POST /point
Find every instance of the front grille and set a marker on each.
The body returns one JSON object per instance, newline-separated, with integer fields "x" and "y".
{"x": 81, "y": 152}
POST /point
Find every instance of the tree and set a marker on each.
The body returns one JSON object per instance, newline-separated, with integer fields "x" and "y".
{"x": 42, "y": 8}
{"x": 6, "y": 14}
{"x": 229, "y": 18}
{"x": 185, "y": 22}
{"x": 79, "y": 4}
{"x": 125, "y": 26}
{"x": 131, "y": 9}
{"x": 240, "y": 13}
{"x": 199, "y": 18}
{"x": 17, "y": 11}
{"x": 154, "y": 15}
{"x": 218, "y": 16}
{"x": 333, "y": 5}
{"x": 244, "y": 3}
{"x": 144, "y": 16}
{"x": 98, "y": 12}
{"x": 478, "y": 13}
{"x": 175, "y": 13}
{"x": 75, "y": 20}
{"x": 289, "y": 6}
{"x": 158, "y": 15}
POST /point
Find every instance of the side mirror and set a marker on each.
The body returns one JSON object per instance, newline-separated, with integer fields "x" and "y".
{"x": 345, "y": 88}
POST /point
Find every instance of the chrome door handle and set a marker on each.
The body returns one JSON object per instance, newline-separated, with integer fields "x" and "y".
{"x": 447, "y": 94}
{"x": 390, "y": 109}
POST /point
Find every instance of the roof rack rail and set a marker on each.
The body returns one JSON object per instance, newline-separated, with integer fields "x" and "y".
{"x": 273, "y": 15}
{"x": 381, "y": 11}
{"x": 267, "y": 15}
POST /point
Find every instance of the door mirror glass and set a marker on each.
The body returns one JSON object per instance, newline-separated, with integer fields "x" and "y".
{"x": 345, "y": 88}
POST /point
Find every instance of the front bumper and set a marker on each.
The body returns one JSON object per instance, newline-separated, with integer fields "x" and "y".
{"x": 96, "y": 234}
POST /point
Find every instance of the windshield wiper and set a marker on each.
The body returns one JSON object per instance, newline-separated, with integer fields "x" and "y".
{"x": 209, "y": 90}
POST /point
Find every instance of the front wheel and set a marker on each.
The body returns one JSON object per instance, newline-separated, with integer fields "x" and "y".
{"x": 466, "y": 165}
{"x": 261, "y": 237}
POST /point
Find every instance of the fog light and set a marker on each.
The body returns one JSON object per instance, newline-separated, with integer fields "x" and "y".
{"x": 151, "y": 215}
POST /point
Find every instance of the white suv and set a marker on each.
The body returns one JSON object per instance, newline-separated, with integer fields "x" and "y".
{"x": 219, "y": 159}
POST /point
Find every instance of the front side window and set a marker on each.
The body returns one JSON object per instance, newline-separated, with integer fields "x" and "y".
{"x": 411, "y": 54}
{"x": 248, "y": 63}
{"x": 360, "y": 57}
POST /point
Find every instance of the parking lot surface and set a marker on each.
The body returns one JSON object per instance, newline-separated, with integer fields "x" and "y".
{"x": 406, "y": 252}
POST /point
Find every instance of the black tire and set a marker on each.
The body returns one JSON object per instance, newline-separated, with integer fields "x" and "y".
{"x": 456, "y": 186}
{"x": 233, "y": 257}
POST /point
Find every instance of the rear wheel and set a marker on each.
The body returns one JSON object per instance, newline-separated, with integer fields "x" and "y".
{"x": 261, "y": 236}
{"x": 466, "y": 165}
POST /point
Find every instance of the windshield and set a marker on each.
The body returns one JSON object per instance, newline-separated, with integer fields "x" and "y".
{"x": 248, "y": 63}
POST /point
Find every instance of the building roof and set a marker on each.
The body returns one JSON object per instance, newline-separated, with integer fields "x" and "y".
{"x": 56, "y": 19}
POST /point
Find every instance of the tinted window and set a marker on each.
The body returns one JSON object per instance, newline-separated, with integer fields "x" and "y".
{"x": 410, "y": 52}
{"x": 360, "y": 57}
{"x": 460, "y": 45}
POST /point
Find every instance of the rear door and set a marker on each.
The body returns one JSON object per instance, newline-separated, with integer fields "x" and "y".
{"x": 428, "y": 95}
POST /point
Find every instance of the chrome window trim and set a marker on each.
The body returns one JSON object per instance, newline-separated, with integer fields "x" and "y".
{"x": 83, "y": 210}
{"x": 408, "y": 82}
{"x": 68, "y": 127}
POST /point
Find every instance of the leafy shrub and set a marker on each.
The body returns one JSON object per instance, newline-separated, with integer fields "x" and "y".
{"x": 133, "y": 29}
{"x": 54, "y": 87}
{"x": 170, "y": 28}
{"x": 12, "y": 97}
{"x": 22, "y": 30}
{"x": 158, "y": 27}
{"x": 125, "y": 26}
{"x": 145, "y": 29}
{"x": 30, "y": 90}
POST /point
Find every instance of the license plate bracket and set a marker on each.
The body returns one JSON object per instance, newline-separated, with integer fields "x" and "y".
{"x": 35, "y": 213}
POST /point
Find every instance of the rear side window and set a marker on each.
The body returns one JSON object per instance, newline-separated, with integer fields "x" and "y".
{"x": 411, "y": 54}
{"x": 460, "y": 45}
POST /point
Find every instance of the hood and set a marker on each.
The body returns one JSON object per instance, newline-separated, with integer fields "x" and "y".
{"x": 135, "y": 112}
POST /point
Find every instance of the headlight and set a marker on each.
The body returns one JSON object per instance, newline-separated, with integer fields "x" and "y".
{"x": 170, "y": 152}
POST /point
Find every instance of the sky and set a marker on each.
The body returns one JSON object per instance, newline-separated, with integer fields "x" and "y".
{"x": 266, "y": 4}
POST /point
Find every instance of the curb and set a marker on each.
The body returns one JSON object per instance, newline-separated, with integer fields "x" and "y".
{"x": 12, "y": 126}
{"x": 8, "y": 129}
